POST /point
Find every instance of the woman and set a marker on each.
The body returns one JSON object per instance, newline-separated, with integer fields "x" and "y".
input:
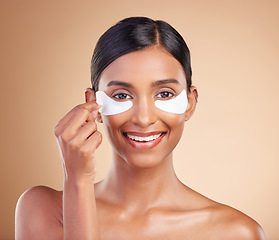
{"x": 141, "y": 77}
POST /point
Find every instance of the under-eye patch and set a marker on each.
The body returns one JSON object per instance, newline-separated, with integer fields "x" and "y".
{"x": 110, "y": 106}
{"x": 177, "y": 105}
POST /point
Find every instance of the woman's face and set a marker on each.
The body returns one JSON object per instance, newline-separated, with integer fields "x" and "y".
{"x": 144, "y": 135}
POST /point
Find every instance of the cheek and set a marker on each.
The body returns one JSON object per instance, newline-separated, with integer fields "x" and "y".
{"x": 175, "y": 124}
{"x": 112, "y": 126}
{"x": 115, "y": 121}
{"x": 170, "y": 119}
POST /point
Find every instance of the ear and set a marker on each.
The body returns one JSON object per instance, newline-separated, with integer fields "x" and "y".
{"x": 192, "y": 102}
{"x": 90, "y": 96}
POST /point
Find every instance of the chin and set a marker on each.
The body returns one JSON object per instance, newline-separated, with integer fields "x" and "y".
{"x": 144, "y": 160}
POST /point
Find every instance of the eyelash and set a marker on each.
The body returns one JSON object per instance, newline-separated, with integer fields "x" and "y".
{"x": 124, "y": 96}
{"x": 163, "y": 92}
{"x": 117, "y": 96}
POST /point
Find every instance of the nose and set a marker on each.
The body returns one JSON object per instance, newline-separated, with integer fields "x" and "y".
{"x": 144, "y": 113}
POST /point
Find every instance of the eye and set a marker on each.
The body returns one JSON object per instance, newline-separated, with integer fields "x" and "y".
{"x": 165, "y": 95}
{"x": 121, "y": 96}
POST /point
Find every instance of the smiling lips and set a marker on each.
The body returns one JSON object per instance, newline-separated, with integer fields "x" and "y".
{"x": 144, "y": 140}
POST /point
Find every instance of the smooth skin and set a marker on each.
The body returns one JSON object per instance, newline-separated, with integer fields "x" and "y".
{"x": 141, "y": 197}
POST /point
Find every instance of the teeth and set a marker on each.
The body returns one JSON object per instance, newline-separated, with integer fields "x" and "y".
{"x": 143, "y": 139}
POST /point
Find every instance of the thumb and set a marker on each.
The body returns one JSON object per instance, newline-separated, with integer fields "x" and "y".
{"x": 90, "y": 95}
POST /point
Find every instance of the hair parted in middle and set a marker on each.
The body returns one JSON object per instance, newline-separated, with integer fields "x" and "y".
{"x": 134, "y": 34}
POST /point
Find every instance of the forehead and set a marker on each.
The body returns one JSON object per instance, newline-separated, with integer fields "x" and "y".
{"x": 144, "y": 66}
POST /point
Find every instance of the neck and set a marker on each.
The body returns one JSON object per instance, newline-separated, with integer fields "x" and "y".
{"x": 140, "y": 188}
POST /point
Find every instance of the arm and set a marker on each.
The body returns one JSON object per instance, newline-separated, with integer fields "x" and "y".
{"x": 38, "y": 211}
{"x": 78, "y": 139}
{"x": 79, "y": 211}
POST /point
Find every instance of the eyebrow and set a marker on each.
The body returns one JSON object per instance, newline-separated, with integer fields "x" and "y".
{"x": 157, "y": 83}
{"x": 165, "y": 81}
{"x": 119, "y": 83}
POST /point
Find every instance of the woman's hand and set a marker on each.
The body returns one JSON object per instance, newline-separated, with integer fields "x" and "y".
{"x": 78, "y": 138}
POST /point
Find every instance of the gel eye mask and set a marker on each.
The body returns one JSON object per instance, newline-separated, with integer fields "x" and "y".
{"x": 177, "y": 105}
{"x": 110, "y": 106}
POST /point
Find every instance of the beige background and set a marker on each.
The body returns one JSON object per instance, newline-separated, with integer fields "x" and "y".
{"x": 229, "y": 150}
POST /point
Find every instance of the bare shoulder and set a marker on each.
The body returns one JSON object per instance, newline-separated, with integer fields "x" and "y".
{"x": 233, "y": 224}
{"x": 213, "y": 220}
{"x": 39, "y": 214}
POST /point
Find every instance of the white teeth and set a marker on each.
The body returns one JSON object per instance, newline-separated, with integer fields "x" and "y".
{"x": 144, "y": 139}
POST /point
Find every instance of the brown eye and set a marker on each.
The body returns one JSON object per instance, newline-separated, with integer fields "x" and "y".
{"x": 121, "y": 96}
{"x": 165, "y": 95}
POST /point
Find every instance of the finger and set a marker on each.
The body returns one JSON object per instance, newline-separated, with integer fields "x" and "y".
{"x": 86, "y": 131}
{"x": 93, "y": 142}
{"x": 80, "y": 118}
{"x": 92, "y": 107}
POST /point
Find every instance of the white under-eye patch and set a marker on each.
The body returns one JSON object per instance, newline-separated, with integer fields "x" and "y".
{"x": 110, "y": 106}
{"x": 177, "y": 105}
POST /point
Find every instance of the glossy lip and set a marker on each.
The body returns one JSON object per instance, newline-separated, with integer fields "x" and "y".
{"x": 144, "y": 145}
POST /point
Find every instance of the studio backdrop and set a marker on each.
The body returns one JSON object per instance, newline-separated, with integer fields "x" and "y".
{"x": 229, "y": 149}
